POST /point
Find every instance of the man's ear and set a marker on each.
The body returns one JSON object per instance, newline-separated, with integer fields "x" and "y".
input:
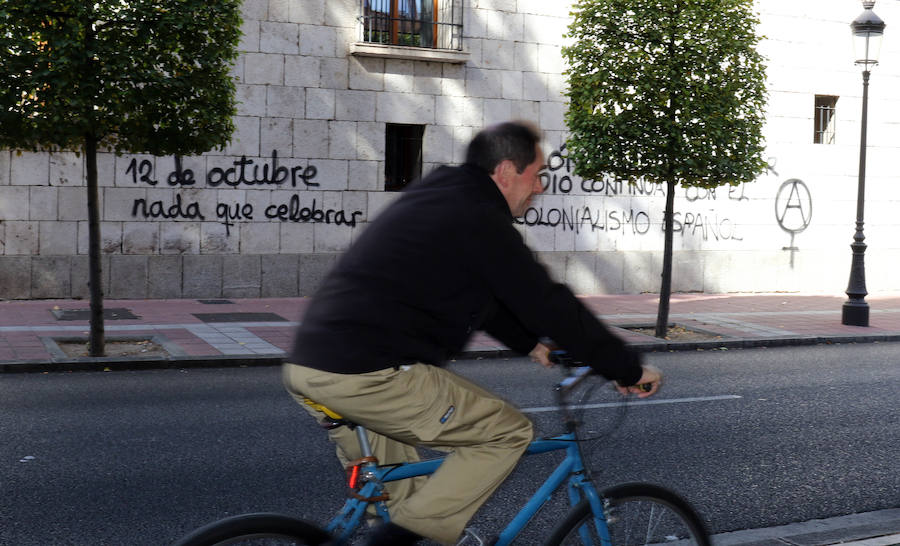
{"x": 503, "y": 173}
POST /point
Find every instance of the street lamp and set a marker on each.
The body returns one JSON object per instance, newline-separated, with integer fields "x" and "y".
{"x": 868, "y": 30}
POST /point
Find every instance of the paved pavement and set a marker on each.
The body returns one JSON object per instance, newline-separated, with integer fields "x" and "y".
{"x": 243, "y": 332}
{"x": 259, "y": 331}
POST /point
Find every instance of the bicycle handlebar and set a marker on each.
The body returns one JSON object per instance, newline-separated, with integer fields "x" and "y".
{"x": 577, "y": 371}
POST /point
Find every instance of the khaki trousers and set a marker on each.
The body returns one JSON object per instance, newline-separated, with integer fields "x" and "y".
{"x": 432, "y": 407}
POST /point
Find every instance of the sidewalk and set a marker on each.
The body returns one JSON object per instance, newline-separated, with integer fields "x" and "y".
{"x": 220, "y": 332}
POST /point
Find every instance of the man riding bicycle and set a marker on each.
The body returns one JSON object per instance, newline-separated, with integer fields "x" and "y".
{"x": 440, "y": 262}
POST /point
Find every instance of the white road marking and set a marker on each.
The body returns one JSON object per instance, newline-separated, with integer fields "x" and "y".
{"x": 635, "y": 403}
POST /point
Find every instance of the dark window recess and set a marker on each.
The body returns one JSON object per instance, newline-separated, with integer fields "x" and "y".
{"x": 824, "y": 120}
{"x": 403, "y": 155}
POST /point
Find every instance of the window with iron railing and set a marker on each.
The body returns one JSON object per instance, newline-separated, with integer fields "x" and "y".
{"x": 435, "y": 24}
{"x": 824, "y": 121}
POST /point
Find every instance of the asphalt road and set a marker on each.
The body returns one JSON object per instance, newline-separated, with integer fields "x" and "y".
{"x": 753, "y": 438}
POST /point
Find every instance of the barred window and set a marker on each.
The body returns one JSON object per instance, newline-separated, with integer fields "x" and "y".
{"x": 435, "y": 24}
{"x": 824, "y": 121}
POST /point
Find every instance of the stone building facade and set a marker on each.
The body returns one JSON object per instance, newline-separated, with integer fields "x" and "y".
{"x": 330, "y": 123}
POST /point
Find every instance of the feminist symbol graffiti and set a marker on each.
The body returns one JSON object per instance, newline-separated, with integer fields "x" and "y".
{"x": 793, "y": 210}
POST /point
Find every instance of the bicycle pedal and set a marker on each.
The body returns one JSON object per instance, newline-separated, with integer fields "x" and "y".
{"x": 470, "y": 538}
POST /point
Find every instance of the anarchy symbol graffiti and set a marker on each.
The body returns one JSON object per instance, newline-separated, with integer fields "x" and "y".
{"x": 793, "y": 210}
{"x": 793, "y": 206}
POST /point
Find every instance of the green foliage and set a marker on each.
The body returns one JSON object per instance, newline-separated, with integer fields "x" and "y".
{"x": 666, "y": 90}
{"x": 146, "y": 76}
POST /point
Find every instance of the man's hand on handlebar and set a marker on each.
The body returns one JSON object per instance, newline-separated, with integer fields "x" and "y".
{"x": 541, "y": 355}
{"x": 647, "y": 385}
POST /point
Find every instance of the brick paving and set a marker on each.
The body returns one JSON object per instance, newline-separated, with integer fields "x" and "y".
{"x": 236, "y": 330}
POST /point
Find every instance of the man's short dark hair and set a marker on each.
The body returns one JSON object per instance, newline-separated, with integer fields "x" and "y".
{"x": 513, "y": 140}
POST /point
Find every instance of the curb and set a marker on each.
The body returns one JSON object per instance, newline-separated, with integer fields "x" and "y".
{"x": 749, "y": 343}
{"x": 54, "y": 364}
{"x": 111, "y": 363}
{"x": 878, "y": 528}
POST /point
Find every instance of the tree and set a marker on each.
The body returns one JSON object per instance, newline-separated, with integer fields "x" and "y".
{"x": 138, "y": 76}
{"x": 668, "y": 91}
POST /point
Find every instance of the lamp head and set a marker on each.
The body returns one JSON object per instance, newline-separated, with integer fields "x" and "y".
{"x": 868, "y": 29}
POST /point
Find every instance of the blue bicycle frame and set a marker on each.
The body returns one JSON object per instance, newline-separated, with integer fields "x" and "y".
{"x": 570, "y": 470}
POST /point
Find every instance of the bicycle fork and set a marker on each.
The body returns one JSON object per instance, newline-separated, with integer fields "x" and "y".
{"x": 579, "y": 488}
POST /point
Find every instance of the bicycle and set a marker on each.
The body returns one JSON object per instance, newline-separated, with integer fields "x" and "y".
{"x": 623, "y": 515}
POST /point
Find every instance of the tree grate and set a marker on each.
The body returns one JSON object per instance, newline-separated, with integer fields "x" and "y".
{"x": 240, "y": 317}
{"x": 85, "y": 314}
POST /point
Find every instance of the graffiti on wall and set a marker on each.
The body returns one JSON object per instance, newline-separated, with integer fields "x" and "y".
{"x": 703, "y": 219}
{"x": 707, "y": 225}
{"x": 243, "y": 172}
{"x": 793, "y": 210}
{"x": 559, "y": 178}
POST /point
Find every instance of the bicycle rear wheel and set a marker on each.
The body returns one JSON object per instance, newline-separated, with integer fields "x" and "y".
{"x": 257, "y": 530}
{"x": 636, "y": 514}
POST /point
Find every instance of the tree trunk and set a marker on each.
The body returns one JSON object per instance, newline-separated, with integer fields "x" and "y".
{"x": 97, "y": 341}
{"x": 665, "y": 289}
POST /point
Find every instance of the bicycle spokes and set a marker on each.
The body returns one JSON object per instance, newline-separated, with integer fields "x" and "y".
{"x": 645, "y": 521}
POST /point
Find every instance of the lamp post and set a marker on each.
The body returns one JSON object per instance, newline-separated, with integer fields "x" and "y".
{"x": 868, "y": 29}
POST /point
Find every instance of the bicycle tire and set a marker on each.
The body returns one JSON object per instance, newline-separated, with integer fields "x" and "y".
{"x": 637, "y": 513}
{"x": 257, "y": 529}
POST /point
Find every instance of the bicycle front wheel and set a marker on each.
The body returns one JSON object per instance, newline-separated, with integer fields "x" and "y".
{"x": 635, "y": 514}
{"x": 257, "y": 530}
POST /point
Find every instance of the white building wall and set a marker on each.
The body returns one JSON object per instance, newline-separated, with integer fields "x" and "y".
{"x": 314, "y": 112}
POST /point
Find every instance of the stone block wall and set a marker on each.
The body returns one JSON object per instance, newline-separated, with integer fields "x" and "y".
{"x": 304, "y": 171}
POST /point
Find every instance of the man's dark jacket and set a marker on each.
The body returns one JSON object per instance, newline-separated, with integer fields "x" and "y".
{"x": 440, "y": 262}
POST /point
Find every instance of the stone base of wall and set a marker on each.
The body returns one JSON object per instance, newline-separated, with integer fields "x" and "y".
{"x": 712, "y": 272}
{"x": 165, "y": 277}
{"x": 284, "y": 275}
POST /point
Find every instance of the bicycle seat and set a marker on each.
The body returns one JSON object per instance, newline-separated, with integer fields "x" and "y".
{"x": 332, "y": 419}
